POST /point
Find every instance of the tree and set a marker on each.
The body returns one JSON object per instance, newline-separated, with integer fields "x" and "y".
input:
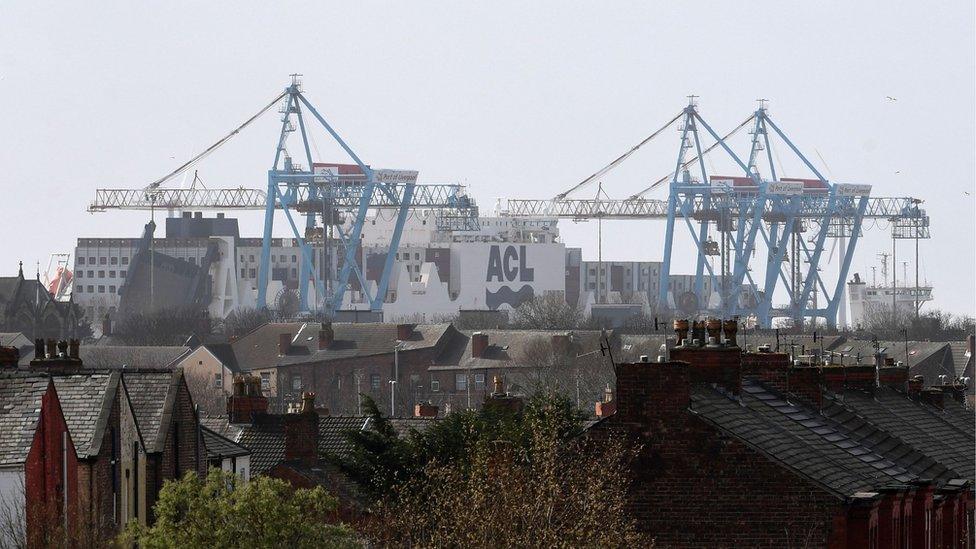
{"x": 540, "y": 483}
{"x": 532, "y": 471}
{"x": 547, "y": 312}
{"x": 934, "y": 325}
{"x": 172, "y": 326}
{"x": 222, "y": 511}
{"x": 243, "y": 320}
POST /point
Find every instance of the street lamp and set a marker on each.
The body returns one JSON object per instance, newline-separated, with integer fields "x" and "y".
{"x": 396, "y": 376}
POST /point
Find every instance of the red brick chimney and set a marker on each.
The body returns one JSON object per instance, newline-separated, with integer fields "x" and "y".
{"x": 479, "y": 344}
{"x": 606, "y": 407}
{"x": 914, "y": 386}
{"x": 9, "y": 356}
{"x": 770, "y": 368}
{"x": 404, "y": 331}
{"x": 425, "y": 409}
{"x": 652, "y": 394}
{"x": 933, "y": 396}
{"x": 862, "y": 377}
{"x": 712, "y": 362}
{"x": 302, "y": 433}
{"x": 500, "y": 400}
{"x": 326, "y": 336}
{"x": 246, "y": 402}
{"x": 805, "y": 382}
{"x": 284, "y": 344}
{"x": 893, "y": 376}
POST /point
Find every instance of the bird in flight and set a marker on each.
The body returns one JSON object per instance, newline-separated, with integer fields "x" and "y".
{"x": 890, "y": 98}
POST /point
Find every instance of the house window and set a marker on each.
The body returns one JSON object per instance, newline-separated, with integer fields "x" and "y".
{"x": 218, "y": 380}
{"x": 125, "y": 260}
{"x": 111, "y": 289}
{"x": 252, "y": 273}
{"x": 111, "y": 274}
{"x": 296, "y": 382}
{"x": 265, "y": 380}
{"x": 81, "y": 289}
{"x": 115, "y": 260}
{"x": 102, "y": 260}
{"x": 81, "y": 260}
{"x": 294, "y": 259}
{"x": 243, "y": 273}
{"x": 101, "y": 274}
{"x": 250, "y": 258}
{"x": 91, "y": 274}
{"x": 91, "y": 260}
{"x": 479, "y": 380}
{"x": 122, "y": 274}
{"x": 282, "y": 258}
{"x": 435, "y": 386}
{"x": 294, "y": 272}
{"x": 374, "y": 381}
{"x": 91, "y": 289}
{"x": 461, "y": 382}
{"x": 101, "y": 289}
{"x": 416, "y": 256}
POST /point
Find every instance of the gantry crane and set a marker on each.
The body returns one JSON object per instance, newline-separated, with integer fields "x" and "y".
{"x": 748, "y": 211}
{"x": 323, "y": 193}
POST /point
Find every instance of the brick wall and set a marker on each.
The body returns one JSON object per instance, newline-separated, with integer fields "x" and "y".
{"x": 694, "y": 486}
{"x": 51, "y": 459}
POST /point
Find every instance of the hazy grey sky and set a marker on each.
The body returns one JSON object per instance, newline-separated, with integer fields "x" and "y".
{"x": 511, "y": 98}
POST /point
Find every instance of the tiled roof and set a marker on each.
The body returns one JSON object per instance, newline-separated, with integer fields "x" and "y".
{"x": 220, "y": 447}
{"x": 839, "y": 453}
{"x": 149, "y": 394}
{"x": 259, "y": 348}
{"x": 20, "y": 409}
{"x": 224, "y": 352}
{"x": 944, "y": 435}
{"x": 119, "y": 356}
{"x": 359, "y": 339}
{"x": 961, "y": 358}
{"x": 266, "y": 437}
{"x": 86, "y": 403}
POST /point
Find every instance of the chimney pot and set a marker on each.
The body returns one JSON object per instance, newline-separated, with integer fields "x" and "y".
{"x": 51, "y": 348}
{"x": 39, "y": 349}
{"x": 74, "y": 347}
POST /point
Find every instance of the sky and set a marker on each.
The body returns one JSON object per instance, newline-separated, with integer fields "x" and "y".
{"x": 512, "y": 99}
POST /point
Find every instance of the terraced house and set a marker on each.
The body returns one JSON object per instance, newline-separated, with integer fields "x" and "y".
{"x": 84, "y": 451}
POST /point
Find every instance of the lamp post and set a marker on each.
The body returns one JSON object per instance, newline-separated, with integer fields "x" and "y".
{"x": 396, "y": 376}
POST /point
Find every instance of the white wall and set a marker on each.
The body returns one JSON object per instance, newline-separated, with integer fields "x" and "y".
{"x": 12, "y": 505}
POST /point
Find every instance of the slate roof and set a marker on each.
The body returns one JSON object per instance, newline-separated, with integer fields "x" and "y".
{"x": 842, "y": 449}
{"x": 962, "y": 359}
{"x": 947, "y": 436}
{"x": 118, "y": 356}
{"x": 151, "y": 395}
{"x": 510, "y": 346}
{"x": 360, "y": 339}
{"x": 15, "y": 339}
{"x": 20, "y": 410}
{"x": 86, "y": 402}
{"x": 224, "y": 352}
{"x": 798, "y": 438}
{"x": 220, "y": 447}
{"x": 928, "y": 358}
{"x": 265, "y": 438}
{"x": 259, "y": 348}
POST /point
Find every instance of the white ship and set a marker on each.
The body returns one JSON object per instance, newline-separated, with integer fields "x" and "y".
{"x": 874, "y": 299}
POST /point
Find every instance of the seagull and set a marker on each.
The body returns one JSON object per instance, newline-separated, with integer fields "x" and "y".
{"x": 896, "y": 171}
{"x": 965, "y": 193}
{"x": 890, "y": 98}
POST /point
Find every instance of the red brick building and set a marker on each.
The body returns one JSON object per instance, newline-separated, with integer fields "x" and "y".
{"x": 83, "y": 451}
{"x": 749, "y": 450}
